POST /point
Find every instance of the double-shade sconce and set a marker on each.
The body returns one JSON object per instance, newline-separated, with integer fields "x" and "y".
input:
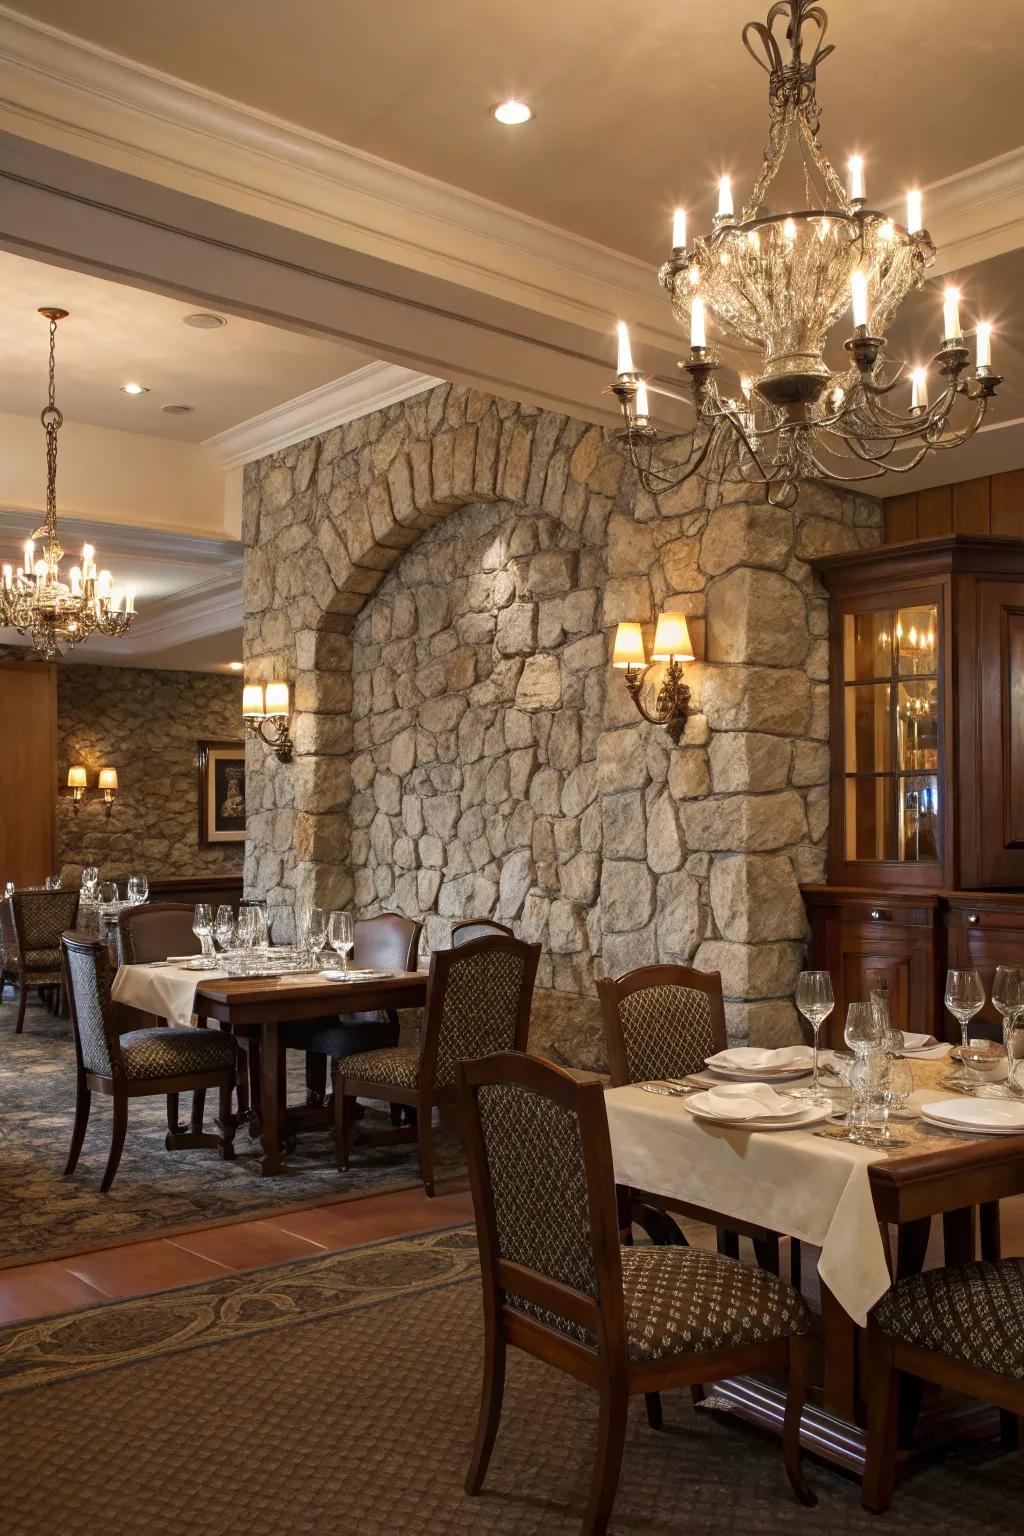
{"x": 78, "y": 786}
{"x": 266, "y": 707}
{"x": 671, "y": 648}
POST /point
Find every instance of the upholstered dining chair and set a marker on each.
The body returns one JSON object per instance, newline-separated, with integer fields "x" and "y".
{"x": 469, "y": 928}
{"x": 662, "y": 1021}
{"x": 140, "y": 1062}
{"x": 959, "y": 1327}
{"x": 557, "y": 1285}
{"x": 387, "y": 942}
{"x": 34, "y": 923}
{"x": 478, "y": 1002}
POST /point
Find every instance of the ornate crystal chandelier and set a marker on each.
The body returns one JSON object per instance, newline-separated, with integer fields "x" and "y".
{"x": 35, "y": 600}
{"x": 778, "y": 282}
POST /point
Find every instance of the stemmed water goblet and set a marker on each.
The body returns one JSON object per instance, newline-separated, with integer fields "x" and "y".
{"x": 52, "y": 883}
{"x": 90, "y": 882}
{"x": 247, "y": 930}
{"x": 224, "y": 926}
{"x": 965, "y": 996}
{"x": 341, "y": 936}
{"x": 1008, "y": 999}
{"x": 138, "y": 889}
{"x": 315, "y": 928}
{"x": 202, "y": 927}
{"x": 815, "y": 1001}
{"x": 108, "y": 893}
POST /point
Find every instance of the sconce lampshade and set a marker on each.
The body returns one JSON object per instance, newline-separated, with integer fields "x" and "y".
{"x": 108, "y": 778}
{"x": 628, "y": 650}
{"x": 252, "y": 700}
{"x": 672, "y": 638}
{"x": 277, "y": 699}
{"x": 76, "y": 778}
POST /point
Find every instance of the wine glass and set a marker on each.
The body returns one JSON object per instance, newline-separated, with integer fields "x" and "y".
{"x": 138, "y": 889}
{"x": 815, "y": 1001}
{"x": 316, "y": 930}
{"x": 897, "y": 1086}
{"x": 341, "y": 936}
{"x": 258, "y": 907}
{"x": 52, "y": 883}
{"x": 862, "y": 1029}
{"x": 1008, "y": 999}
{"x": 9, "y": 888}
{"x": 108, "y": 893}
{"x": 246, "y": 930}
{"x": 90, "y": 880}
{"x": 202, "y": 927}
{"x": 965, "y": 996}
{"x": 224, "y": 926}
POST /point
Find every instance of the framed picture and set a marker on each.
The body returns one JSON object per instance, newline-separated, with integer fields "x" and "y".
{"x": 221, "y": 783}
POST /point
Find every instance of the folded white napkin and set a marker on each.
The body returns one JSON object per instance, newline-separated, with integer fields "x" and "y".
{"x": 753, "y": 1058}
{"x": 915, "y": 1042}
{"x": 748, "y": 1101}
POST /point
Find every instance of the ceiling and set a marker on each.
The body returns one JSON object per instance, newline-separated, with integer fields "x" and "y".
{"x": 637, "y": 107}
{"x": 115, "y": 334}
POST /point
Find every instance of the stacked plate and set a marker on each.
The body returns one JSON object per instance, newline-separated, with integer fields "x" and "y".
{"x": 754, "y": 1107}
{"x": 752, "y": 1064}
{"x": 985, "y": 1117}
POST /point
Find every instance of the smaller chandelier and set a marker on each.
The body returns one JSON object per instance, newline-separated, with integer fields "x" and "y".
{"x": 35, "y": 599}
{"x": 778, "y": 281}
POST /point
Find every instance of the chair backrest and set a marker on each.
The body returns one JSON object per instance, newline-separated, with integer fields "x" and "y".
{"x": 388, "y": 942}
{"x": 540, "y": 1166}
{"x": 661, "y": 1021}
{"x": 471, "y": 928}
{"x": 478, "y": 1003}
{"x": 156, "y": 930}
{"x": 87, "y": 978}
{"x": 8, "y": 934}
{"x": 40, "y": 917}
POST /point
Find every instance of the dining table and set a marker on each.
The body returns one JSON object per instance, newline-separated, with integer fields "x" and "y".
{"x": 867, "y": 1210}
{"x": 259, "y": 1006}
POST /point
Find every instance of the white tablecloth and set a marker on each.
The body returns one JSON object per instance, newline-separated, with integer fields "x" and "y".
{"x": 789, "y": 1181}
{"x": 169, "y": 991}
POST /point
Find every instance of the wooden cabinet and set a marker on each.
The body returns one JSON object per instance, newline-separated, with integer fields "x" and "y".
{"x": 983, "y": 930}
{"x": 28, "y": 772}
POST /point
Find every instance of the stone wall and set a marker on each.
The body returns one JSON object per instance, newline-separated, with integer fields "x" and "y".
{"x": 146, "y": 725}
{"x": 441, "y": 581}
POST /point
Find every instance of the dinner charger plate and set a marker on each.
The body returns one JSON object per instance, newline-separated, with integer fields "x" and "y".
{"x": 992, "y": 1117}
{"x": 810, "y": 1114}
{"x": 762, "y": 1075}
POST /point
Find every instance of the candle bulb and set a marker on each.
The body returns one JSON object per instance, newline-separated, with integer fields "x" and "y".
{"x": 746, "y": 384}
{"x": 30, "y": 550}
{"x": 625, "y": 363}
{"x": 951, "y": 315}
{"x": 725, "y": 198}
{"x": 8, "y": 577}
{"x": 698, "y": 338}
{"x": 919, "y": 390}
{"x": 859, "y": 295}
{"x": 984, "y": 359}
{"x": 75, "y": 575}
{"x": 789, "y": 231}
{"x": 679, "y": 230}
{"x": 117, "y": 600}
{"x": 103, "y": 586}
{"x": 856, "y": 178}
{"x": 642, "y": 407}
{"x": 40, "y": 570}
{"x": 129, "y": 602}
{"x": 915, "y": 221}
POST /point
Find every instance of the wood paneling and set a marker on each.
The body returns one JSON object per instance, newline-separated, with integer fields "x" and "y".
{"x": 991, "y": 504}
{"x": 28, "y": 772}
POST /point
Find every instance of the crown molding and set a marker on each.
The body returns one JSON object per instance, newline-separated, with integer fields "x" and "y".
{"x": 977, "y": 213}
{"x": 357, "y": 394}
{"x": 125, "y": 540}
{"x": 87, "y": 101}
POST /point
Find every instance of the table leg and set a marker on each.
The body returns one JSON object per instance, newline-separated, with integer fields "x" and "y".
{"x": 272, "y": 1067}
{"x": 840, "y": 1339}
{"x": 958, "y": 1235}
{"x": 911, "y": 1246}
{"x": 991, "y": 1240}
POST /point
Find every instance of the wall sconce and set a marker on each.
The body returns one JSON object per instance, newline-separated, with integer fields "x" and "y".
{"x": 671, "y": 647}
{"x": 108, "y": 786}
{"x": 77, "y": 781}
{"x": 266, "y": 707}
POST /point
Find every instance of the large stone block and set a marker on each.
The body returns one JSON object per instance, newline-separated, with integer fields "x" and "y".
{"x": 744, "y": 823}
{"x": 680, "y": 923}
{"x": 740, "y": 698}
{"x": 748, "y": 760}
{"x": 752, "y": 534}
{"x": 665, "y": 849}
{"x": 755, "y": 898}
{"x": 621, "y": 760}
{"x": 756, "y": 616}
{"x": 752, "y": 970}
{"x": 627, "y": 895}
{"x": 540, "y": 685}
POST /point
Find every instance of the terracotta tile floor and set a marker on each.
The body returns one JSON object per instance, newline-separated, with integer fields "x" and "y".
{"x": 134, "y": 1269}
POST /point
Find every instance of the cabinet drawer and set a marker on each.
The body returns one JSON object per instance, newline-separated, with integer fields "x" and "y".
{"x": 882, "y": 911}
{"x": 982, "y": 920}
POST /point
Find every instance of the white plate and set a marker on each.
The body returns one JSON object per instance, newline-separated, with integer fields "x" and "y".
{"x": 810, "y": 1114}
{"x": 737, "y": 1075}
{"x": 991, "y": 1117}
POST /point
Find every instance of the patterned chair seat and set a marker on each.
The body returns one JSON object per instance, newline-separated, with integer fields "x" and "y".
{"x": 968, "y": 1312}
{"x": 41, "y": 960}
{"x": 175, "y": 1052}
{"x": 688, "y": 1301}
{"x": 397, "y": 1065}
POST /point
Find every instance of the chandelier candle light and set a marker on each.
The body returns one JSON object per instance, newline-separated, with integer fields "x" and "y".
{"x": 779, "y": 282}
{"x": 34, "y": 598}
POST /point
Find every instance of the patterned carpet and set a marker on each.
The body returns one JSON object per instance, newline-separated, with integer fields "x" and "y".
{"x": 45, "y": 1216}
{"x": 339, "y": 1395}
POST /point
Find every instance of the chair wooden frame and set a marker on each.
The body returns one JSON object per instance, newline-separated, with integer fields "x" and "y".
{"x": 49, "y": 986}
{"x": 887, "y": 1359}
{"x": 120, "y": 1088}
{"x": 427, "y": 1092}
{"x": 488, "y": 924}
{"x": 608, "y": 1367}
{"x": 640, "y": 1203}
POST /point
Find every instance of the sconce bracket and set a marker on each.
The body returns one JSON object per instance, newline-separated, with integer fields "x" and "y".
{"x": 279, "y": 740}
{"x": 672, "y": 706}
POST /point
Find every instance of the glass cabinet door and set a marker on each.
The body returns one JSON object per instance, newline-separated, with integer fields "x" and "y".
{"x": 891, "y": 734}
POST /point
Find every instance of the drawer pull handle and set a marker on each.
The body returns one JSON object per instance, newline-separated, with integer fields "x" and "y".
{"x": 876, "y": 913}
{"x": 972, "y": 918}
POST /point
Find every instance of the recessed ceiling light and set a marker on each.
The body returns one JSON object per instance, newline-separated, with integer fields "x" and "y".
{"x": 177, "y": 410}
{"x": 134, "y": 389}
{"x": 203, "y": 320}
{"x": 512, "y": 112}
{"x": 236, "y": 666}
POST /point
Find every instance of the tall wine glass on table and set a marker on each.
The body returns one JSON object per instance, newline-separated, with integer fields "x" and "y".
{"x": 815, "y": 1001}
{"x": 1008, "y": 1000}
{"x": 965, "y": 996}
{"x": 341, "y": 936}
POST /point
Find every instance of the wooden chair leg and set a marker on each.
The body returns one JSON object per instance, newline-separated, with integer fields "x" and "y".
{"x": 342, "y": 1123}
{"x": 198, "y": 1111}
{"x": 728, "y": 1244}
{"x": 795, "y": 1263}
{"x": 226, "y": 1122}
{"x": 766, "y": 1251}
{"x": 796, "y": 1393}
{"x": 1010, "y": 1428}
{"x": 22, "y": 1005}
{"x": 883, "y": 1420}
{"x": 316, "y": 1078}
{"x": 174, "y": 1127}
{"x": 491, "y": 1395}
{"x": 83, "y": 1103}
{"x": 611, "y": 1438}
{"x": 119, "y": 1126}
{"x": 655, "y": 1417}
{"x": 426, "y": 1147}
